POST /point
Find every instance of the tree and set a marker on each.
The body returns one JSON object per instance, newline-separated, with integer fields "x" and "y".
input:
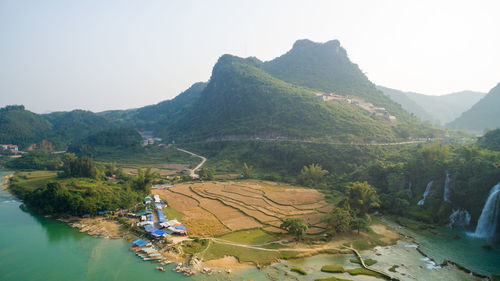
{"x": 206, "y": 174}
{"x": 295, "y": 226}
{"x": 247, "y": 170}
{"x": 144, "y": 180}
{"x": 362, "y": 197}
{"x": 312, "y": 175}
{"x": 359, "y": 223}
{"x": 339, "y": 220}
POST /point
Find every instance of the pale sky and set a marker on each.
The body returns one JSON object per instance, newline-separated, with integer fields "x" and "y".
{"x": 117, "y": 54}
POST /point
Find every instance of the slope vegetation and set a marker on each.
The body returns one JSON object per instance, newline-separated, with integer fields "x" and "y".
{"x": 482, "y": 115}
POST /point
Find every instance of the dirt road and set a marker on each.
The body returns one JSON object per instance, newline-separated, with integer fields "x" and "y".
{"x": 192, "y": 171}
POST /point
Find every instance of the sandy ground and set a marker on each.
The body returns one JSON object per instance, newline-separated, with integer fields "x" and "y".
{"x": 97, "y": 226}
{"x": 227, "y": 262}
{"x": 388, "y": 234}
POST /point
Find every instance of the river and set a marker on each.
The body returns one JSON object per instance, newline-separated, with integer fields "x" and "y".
{"x": 37, "y": 248}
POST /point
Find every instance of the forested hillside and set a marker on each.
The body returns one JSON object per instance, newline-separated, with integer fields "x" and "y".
{"x": 482, "y": 115}
{"x": 243, "y": 100}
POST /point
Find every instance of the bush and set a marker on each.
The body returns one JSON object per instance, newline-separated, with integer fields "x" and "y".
{"x": 299, "y": 271}
{"x": 368, "y": 262}
{"x": 333, "y": 268}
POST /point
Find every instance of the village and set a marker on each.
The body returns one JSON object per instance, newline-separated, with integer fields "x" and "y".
{"x": 356, "y": 101}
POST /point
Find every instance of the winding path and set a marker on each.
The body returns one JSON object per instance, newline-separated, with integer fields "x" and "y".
{"x": 192, "y": 171}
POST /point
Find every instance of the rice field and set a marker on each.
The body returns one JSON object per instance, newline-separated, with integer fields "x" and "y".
{"x": 211, "y": 208}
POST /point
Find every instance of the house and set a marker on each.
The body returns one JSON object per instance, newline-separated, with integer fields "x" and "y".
{"x": 156, "y": 198}
{"x": 11, "y": 147}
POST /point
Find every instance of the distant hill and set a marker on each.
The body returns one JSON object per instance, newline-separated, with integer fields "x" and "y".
{"x": 485, "y": 114}
{"x": 490, "y": 140}
{"x": 73, "y": 125}
{"x": 158, "y": 115}
{"x": 23, "y": 127}
{"x": 437, "y": 109}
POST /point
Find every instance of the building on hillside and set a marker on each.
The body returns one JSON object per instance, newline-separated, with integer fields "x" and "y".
{"x": 12, "y": 147}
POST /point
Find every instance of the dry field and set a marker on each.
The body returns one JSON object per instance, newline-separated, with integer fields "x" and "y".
{"x": 216, "y": 207}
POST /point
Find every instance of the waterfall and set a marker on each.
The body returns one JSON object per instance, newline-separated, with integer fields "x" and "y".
{"x": 410, "y": 192}
{"x": 487, "y": 223}
{"x": 426, "y": 193}
{"x": 446, "y": 194}
{"x": 459, "y": 219}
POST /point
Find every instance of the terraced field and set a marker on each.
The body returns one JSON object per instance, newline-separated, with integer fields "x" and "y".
{"x": 211, "y": 208}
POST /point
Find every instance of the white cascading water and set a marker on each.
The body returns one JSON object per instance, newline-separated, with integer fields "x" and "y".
{"x": 426, "y": 193}
{"x": 487, "y": 223}
{"x": 446, "y": 194}
{"x": 459, "y": 219}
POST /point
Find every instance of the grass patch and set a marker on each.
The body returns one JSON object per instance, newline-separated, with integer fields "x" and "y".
{"x": 368, "y": 262}
{"x": 333, "y": 268}
{"x": 195, "y": 246}
{"x": 33, "y": 179}
{"x": 393, "y": 268}
{"x": 260, "y": 257}
{"x": 363, "y": 271}
{"x": 254, "y": 236}
{"x": 172, "y": 213}
{"x": 332, "y": 279}
{"x": 298, "y": 270}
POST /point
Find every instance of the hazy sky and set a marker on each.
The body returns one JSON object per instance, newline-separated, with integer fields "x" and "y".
{"x": 104, "y": 54}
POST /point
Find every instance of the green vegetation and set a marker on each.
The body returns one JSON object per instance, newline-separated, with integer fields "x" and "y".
{"x": 481, "y": 116}
{"x": 206, "y": 174}
{"x": 333, "y": 268}
{"x": 35, "y": 160}
{"x": 362, "y": 197}
{"x": 298, "y": 270}
{"x": 144, "y": 156}
{"x": 195, "y": 246}
{"x": 260, "y": 257}
{"x": 81, "y": 188}
{"x": 490, "y": 140}
{"x": 393, "y": 268}
{"x": 172, "y": 213}
{"x": 255, "y": 236}
{"x": 368, "y": 262}
{"x": 326, "y": 67}
{"x": 21, "y": 127}
{"x": 332, "y": 279}
{"x": 364, "y": 271}
{"x": 251, "y": 102}
{"x": 295, "y": 226}
{"x": 123, "y": 139}
{"x": 311, "y": 175}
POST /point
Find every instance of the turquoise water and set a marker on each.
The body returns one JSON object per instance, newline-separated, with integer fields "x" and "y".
{"x": 458, "y": 246}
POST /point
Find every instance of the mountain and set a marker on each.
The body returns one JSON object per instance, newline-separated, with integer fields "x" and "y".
{"x": 325, "y": 67}
{"x": 21, "y": 127}
{"x": 407, "y": 103}
{"x": 437, "y": 109}
{"x": 73, "y": 125}
{"x": 482, "y": 115}
{"x": 243, "y": 100}
{"x": 157, "y": 115}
